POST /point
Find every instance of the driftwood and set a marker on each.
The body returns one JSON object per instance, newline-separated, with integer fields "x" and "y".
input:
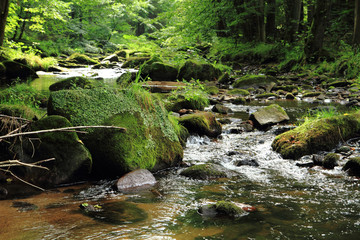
{"x": 59, "y": 130}
{"x": 16, "y": 163}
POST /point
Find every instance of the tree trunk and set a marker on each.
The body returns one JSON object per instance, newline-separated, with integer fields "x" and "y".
{"x": 270, "y": 20}
{"x": 4, "y": 10}
{"x": 314, "y": 41}
{"x": 356, "y": 34}
{"x": 261, "y": 20}
{"x": 292, "y": 15}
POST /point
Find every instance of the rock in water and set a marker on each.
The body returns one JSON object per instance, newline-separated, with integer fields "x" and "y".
{"x": 269, "y": 116}
{"x": 136, "y": 179}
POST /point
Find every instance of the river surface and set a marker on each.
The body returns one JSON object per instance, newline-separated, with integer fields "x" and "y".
{"x": 291, "y": 202}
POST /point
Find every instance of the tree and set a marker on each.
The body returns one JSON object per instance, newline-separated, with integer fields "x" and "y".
{"x": 356, "y": 34}
{"x": 315, "y": 39}
{"x": 292, "y": 15}
{"x": 4, "y": 11}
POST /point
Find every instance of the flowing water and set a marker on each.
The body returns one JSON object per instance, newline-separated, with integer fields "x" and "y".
{"x": 291, "y": 202}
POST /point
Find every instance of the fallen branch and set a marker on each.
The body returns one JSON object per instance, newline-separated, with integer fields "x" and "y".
{"x": 16, "y": 118}
{"x": 17, "y": 163}
{"x": 60, "y": 130}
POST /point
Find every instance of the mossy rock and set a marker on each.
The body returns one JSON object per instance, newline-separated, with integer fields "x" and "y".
{"x": 339, "y": 84}
{"x": 81, "y": 59}
{"x": 267, "y": 95}
{"x": 205, "y": 171}
{"x": 17, "y": 70}
{"x": 202, "y": 123}
{"x": 127, "y": 77}
{"x": 229, "y": 209}
{"x": 219, "y": 108}
{"x": 255, "y": 81}
{"x": 312, "y": 94}
{"x": 194, "y": 101}
{"x": 158, "y": 71}
{"x": 331, "y": 160}
{"x": 269, "y": 116}
{"x": 238, "y": 101}
{"x": 290, "y": 96}
{"x": 201, "y": 71}
{"x": 72, "y": 162}
{"x": 104, "y": 65}
{"x": 16, "y": 110}
{"x": 353, "y": 166}
{"x": 287, "y": 88}
{"x": 224, "y": 79}
{"x": 318, "y": 135}
{"x": 71, "y": 83}
{"x": 150, "y": 142}
{"x": 239, "y": 92}
{"x": 212, "y": 90}
{"x": 134, "y": 62}
{"x": 121, "y": 53}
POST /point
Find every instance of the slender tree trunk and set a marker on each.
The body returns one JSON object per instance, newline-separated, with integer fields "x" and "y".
{"x": 356, "y": 34}
{"x": 4, "y": 11}
{"x": 270, "y": 20}
{"x": 292, "y": 14}
{"x": 261, "y": 20}
{"x": 314, "y": 41}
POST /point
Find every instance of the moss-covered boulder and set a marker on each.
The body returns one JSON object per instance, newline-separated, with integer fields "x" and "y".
{"x": 81, "y": 59}
{"x": 17, "y": 70}
{"x": 71, "y": 83}
{"x": 200, "y": 71}
{"x": 318, "y": 135}
{"x": 353, "y": 166}
{"x": 126, "y": 78}
{"x": 255, "y": 81}
{"x": 158, "y": 71}
{"x": 72, "y": 162}
{"x": 206, "y": 171}
{"x": 195, "y": 99}
{"x": 269, "y": 116}
{"x": 239, "y": 92}
{"x": 202, "y": 123}
{"x": 17, "y": 110}
{"x": 331, "y": 160}
{"x": 150, "y": 141}
{"x": 219, "y": 108}
{"x": 135, "y": 62}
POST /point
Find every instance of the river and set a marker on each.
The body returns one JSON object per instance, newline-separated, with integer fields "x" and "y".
{"x": 291, "y": 202}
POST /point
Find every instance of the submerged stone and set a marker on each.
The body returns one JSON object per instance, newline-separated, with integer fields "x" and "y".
{"x": 136, "y": 179}
{"x": 226, "y": 209}
{"x": 24, "y": 206}
{"x": 116, "y": 213}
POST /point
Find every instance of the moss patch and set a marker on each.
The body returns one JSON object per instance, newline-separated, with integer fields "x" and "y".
{"x": 204, "y": 171}
{"x": 151, "y": 141}
{"x": 312, "y": 94}
{"x": 318, "y": 135}
{"x": 201, "y": 71}
{"x": 71, "y": 83}
{"x": 240, "y": 92}
{"x": 202, "y": 123}
{"x": 267, "y": 95}
{"x": 19, "y": 111}
{"x": 81, "y": 59}
{"x": 256, "y": 81}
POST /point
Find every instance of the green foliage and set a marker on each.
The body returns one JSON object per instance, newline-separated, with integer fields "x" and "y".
{"x": 22, "y": 94}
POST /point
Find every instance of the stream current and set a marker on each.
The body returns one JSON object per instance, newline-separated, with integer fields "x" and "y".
{"x": 291, "y": 202}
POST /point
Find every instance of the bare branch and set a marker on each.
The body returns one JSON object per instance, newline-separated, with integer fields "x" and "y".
{"x": 16, "y": 118}
{"x": 60, "y": 130}
{"x": 17, "y": 163}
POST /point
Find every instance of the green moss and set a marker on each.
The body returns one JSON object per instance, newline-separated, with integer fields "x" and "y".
{"x": 287, "y": 88}
{"x": 253, "y": 80}
{"x": 312, "y": 94}
{"x": 266, "y": 95}
{"x": 82, "y": 59}
{"x": 353, "y": 166}
{"x": 190, "y": 97}
{"x": 241, "y": 92}
{"x": 229, "y": 209}
{"x": 201, "y": 71}
{"x": 134, "y": 62}
{"x": 317, "y": 135}
{"x": 158, "y": 71}
{"x": 71, "y": 83}
{"x": 18, "y": 110}
{"x": 239, "y": 100}
{"x": 151, "y": 141}
{"x": 212, "y": 90}
{"x": 203, "y": 171}
{"x": 330, "y": 160}
{"x": 203, "y": 123}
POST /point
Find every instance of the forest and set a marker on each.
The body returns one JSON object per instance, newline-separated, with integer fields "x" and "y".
{"x": 179, "y": 119}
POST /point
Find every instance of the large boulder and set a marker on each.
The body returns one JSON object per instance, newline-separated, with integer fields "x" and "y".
{"x": 202, "y": 123}
{"x": 317, "y": 135}
{"x": 137, "y": 179}
{"x": 353, "y": 166}
{"x": 150, "y": 141}
{"x": 158, "y": 71}
{"x": 269, "y": 116}
{"x": 16, "y": 70}
{"x": 200, "y": 71}
{"x": 72, "y": 162}
{"x": 81, "y": 59}
{"x": 135, "y": 62}
{"x": 255, "y": 81}
{"x": 71, "y": 83}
